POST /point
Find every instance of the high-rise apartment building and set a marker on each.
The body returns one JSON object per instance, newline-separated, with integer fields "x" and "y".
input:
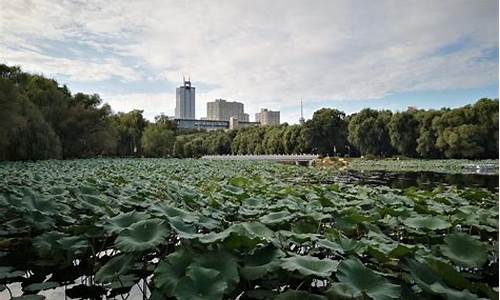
{"x": 268, "y": 117}
{"x": 185, "y": 101}
{"x": 222, "y": 110}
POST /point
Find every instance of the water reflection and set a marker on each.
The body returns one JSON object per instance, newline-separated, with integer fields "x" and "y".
{"x": 423, "y": 180}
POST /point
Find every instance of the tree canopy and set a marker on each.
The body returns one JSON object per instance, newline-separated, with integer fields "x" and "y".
{"x": 40, "y": 119}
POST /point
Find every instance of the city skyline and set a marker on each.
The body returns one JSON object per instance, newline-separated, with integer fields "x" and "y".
{"x": 426, "y": 54}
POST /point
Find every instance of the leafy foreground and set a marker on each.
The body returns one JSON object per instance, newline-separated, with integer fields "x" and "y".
{"x": 195, "y": 229}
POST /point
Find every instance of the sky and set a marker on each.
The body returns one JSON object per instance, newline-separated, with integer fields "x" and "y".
{"x": 347, "y": 55}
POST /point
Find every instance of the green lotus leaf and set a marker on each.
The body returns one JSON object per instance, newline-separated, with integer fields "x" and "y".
{"x": 200, "y": 284}
{"x": 254, "y": 230}
{"x": 47, "y": 244}
{"x": 36, "y": 287}
{"x": 116, "y": 266}
{"x": 171, "y": 270}
{"x": 224, "y": 263}
{"x": 249, "y": 230}
{"x": 260, "y": 293}
{"x": 262, "y": 261}
{"x": 213, "y": 237}
{"x": 298, "y": 237}
{"x": 29, "y": 297}
{"x": 183, "y": 230}
{"x": 350, "y": 220}
{"x": 124, "y": 282}
{"x": 331, "y": 245}
{"x": 142, "y": 235}
{"x": 233, "y": 190}
{"x": 427, "y": 222}
{"x": 249, "y": 212}
{"x": 276, "y": 217}
{"x": 357, "y": 280}
{"x": 239, "y": 181}
{"x": 208, "y": 223}
{"x": 248, "y": 235}
{"x": 172, "y": 212}
{"x": 35, "y": 202}
{"x": 9, "y": 272}
{"x": 464, "y": 250}
{"x": 253, "y": 202}
{"x": 339, "y": 290}
{"x": 310, "y": 265}
{"x": 95, "y": 202}
{"x": 123, "y": 221}
{"x": 431, "y": 283}
{"x": 299, "y": 295}
{"x": 449, "y": 274}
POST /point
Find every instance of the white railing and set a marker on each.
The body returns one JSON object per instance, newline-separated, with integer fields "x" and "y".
{"x": 273, "y": 157}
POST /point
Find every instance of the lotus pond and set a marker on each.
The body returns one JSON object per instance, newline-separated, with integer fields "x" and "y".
{"x": 196, "y": 229}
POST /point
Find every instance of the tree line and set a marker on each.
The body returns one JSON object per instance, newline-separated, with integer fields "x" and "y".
{"x": 39, "y": 119}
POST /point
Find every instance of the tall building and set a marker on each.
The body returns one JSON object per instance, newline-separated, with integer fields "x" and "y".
{"x": 222, "y": 110}
{"x": 185, "y": 101}
{"x": 268, "y": 117}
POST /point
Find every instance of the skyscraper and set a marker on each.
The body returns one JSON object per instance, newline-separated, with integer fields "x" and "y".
{"x": 268, "y": 117}
{"x": 222, "y": 110}
{"x": 185, "y": 101}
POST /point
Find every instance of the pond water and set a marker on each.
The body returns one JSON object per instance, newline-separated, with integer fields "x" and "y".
{"x": 423, "y": 180}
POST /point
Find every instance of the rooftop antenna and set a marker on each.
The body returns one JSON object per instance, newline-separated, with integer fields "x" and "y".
{"x": 301, "y": 120}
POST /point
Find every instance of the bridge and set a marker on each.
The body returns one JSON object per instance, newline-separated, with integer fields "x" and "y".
{"x": 298, "y": 159}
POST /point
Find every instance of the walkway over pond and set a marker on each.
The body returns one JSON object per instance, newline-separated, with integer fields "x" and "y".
{"x": 294, "y": 158}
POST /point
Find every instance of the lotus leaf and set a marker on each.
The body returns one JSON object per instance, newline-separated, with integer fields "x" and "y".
{"x": 142, "y": 235}
{"x": 171, "y": 270}
{"x": 310, "y": 265}
{"x": 200, "y": 284}
{"x": 116, "y": 266}
{"x": 36, "y": 287}
{"x": 9, "y": 272}
{"x": 299, "y": 295}
{"x": 427, "y": 222}
{"x": 357, "y": 280}
{"x": 123, "y": 221}
{"x": 464, "y": 250}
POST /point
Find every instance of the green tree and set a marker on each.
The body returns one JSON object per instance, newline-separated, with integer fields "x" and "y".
{"x": 86, "y": 130}
{"x": 463, "y": 141}
{"x": 24, "y": 133}
{"x": 426, "y": 141}
{"x": 369, "y": 133}
{"x": 328, "y": 131}
{"x": 130, "y": 127}
{"x": 404, "y": 132}
{"x": 158, "y": 140}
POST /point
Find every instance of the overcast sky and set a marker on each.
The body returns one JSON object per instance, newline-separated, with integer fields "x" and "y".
{"x": 342, "y": 54}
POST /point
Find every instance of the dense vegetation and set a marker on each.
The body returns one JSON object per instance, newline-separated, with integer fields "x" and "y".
{"x": 196, "y": 229}
{"x": 40, "y": 119}
{"x": 449, "y": 166}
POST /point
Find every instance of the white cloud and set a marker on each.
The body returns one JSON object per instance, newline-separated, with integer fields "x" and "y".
{"x": 153, "y": 104}
{"x": 264, "y": 53}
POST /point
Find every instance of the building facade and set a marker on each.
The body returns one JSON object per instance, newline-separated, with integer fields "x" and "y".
{"x": 185, "y": 101}
{"x": 201, "y": 124}
{"x": 222, "y": 110}
{"x": 209, "y": 125}
{"x": 268, "y": 117}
